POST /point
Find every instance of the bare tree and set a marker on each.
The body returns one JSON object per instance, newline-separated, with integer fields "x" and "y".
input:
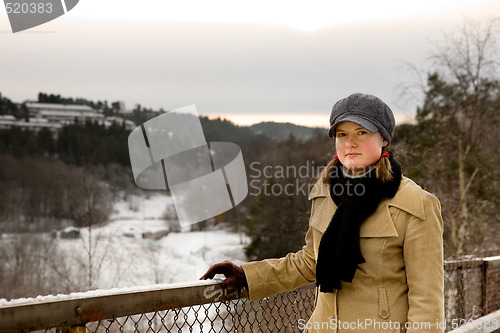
{"x": 454, "y": 150}
{"x": 97, "y": 205}
{"x": 26, "y": 266}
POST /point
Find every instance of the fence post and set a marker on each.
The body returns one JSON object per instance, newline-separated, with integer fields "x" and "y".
{"x": 484, "y": 287}
{"x": 461, "y": 293}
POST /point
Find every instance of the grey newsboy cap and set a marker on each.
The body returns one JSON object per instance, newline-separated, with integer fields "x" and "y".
{"x": 365, "y": 110}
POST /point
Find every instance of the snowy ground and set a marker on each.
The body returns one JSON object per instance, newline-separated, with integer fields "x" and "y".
{"x": 123, "y": 258}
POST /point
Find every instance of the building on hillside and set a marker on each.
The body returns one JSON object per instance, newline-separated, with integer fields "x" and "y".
{"x": 55, "y": 116}
{"x": 129, "y": 124}
{"x": 123, "y": 109}
{"x": 63, "y": 113}
{"x": 7, "y": 120}
{"x": 34, "y": 124}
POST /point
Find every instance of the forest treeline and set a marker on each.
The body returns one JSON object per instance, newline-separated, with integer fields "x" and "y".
{"x": 451, "y": 150}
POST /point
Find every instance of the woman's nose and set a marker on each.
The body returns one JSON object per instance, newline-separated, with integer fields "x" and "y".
{"x": 350, "y": 142}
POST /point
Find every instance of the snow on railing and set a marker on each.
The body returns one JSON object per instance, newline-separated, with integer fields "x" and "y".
{"x": 45, "y": 312}
{"x": 201, "y": 306}
{"x": 472, "y": 299}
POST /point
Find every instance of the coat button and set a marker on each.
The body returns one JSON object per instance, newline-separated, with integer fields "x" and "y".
{"x": 384, "y": 313}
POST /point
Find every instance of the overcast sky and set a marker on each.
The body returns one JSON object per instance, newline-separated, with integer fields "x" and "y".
{"x": 245, "y": 60}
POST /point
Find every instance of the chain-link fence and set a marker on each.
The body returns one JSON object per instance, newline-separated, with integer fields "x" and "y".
{"x": 464, "y": 290}
{"x": 492, "y": 276}
{"x": 472, "y": 289}
{"x": 280, "y": 313}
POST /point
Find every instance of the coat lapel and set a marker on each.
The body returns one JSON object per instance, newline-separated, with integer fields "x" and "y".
{"x": 324, "y": 207}
{"x": 380, "y": 223}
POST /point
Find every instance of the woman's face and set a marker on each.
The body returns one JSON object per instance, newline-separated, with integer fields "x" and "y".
{"x": 357, "y": 148}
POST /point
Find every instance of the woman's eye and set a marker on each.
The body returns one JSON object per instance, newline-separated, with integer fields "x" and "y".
{"x": 362, "y": 132}
{"x": 340, "y": 135}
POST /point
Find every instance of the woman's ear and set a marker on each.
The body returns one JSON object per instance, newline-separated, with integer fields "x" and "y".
{"x": 384, "y": 143}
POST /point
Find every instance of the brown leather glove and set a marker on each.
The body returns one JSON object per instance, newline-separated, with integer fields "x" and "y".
{"x": 235, "y": 276}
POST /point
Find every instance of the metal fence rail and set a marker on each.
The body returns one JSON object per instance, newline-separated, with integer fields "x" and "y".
{"x": 472, "y": 290}
{"x": 201, "y": 306}
{"x": 81, "y": 308}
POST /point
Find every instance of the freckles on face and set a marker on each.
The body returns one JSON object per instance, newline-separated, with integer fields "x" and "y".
{"x": 357, "y": 148}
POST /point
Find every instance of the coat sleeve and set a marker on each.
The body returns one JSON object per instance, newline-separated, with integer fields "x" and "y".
{"x": 423, "y": 256}
{"x": 272, "y": 276}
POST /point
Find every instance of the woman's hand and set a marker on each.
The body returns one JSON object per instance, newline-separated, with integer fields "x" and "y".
{"x": 235, "y": 276}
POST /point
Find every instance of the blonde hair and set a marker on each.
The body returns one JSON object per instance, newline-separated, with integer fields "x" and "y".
{"x": 383, "y": 169}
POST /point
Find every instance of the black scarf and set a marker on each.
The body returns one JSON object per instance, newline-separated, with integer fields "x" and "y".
{"x": 356, "y": 199}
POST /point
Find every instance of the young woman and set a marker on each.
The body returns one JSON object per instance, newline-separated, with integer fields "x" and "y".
{"x": 374, "y": 245}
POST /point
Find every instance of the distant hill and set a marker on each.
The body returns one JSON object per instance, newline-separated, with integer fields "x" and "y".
{"x": 281, "y": 131}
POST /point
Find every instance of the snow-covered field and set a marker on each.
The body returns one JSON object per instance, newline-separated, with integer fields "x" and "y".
{"x": 129, "y": 260}
{"x": 122, "y": 257}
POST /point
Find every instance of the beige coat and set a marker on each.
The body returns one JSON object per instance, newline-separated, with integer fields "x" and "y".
{"x": 400, "y": 286}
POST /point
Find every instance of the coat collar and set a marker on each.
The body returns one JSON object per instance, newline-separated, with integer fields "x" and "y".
{"x": 408, "y": 198}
